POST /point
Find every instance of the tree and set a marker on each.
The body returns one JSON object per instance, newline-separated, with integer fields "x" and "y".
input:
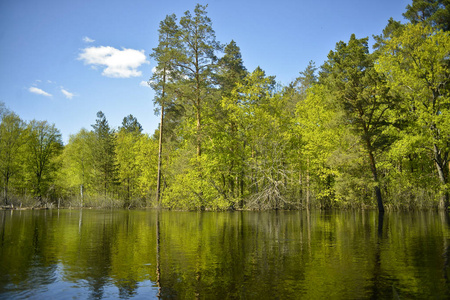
{"x": 257, "y": 109}
{"x": 196, "y": 62}
{"x": 3, "y": 110}
{"x": 126, "y": 153}
{"x": 295, "y": 94}
{"x": 319, "y": 132}
{"x": 360, "y": 91}
{"x": 231, "y": 69}
{"x": 392, "y": 28}
{"x": 76, "y": 173}
{"x": 12, "y": 130}
{"x": 44, "y": 144}
{"x": 435, "y": 13}
{"x": 416, "y": 64}
{"x": 130, "y": 124}
{"x": 224, "y": 131}
{"x": 104, "y": 152}
{"x": 193, "y": 93}
{"x": 165, "y": 73}
{"x": 146, "y": 158}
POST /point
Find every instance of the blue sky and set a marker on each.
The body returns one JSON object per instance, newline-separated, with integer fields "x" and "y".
{"x": 62, "y": 61}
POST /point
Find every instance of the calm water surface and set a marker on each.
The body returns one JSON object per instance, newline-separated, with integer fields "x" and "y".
{"x": 103, "y": 254}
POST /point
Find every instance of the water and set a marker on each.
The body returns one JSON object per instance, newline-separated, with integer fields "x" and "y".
{"x": 103, "y": 254}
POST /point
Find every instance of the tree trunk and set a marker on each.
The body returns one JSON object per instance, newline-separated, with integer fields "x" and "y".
{"x": 441, "y": 168}
{"x": 6, "y": 189}
{"x": 300, "y": 189}
{"x": 307, "y": 184}
{"x": 81, "y": 195}
{"x": 199, "y": 143}
{"x": 198, "y": 103}
{"x": 158, "y": 183}
{"x": 161, "y": 128}
{"x": 377, "y": 187}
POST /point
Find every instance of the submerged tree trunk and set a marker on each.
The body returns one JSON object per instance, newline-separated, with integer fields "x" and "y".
{"x": 6, "y": 189}
{"x": 441, "y": 165}
{"x": 158, "y": 184}
{"x": 81, "y": 195}
{"x": 377, "y": 185}
{"x": 161, "y": 129}
{"x": 307, "y": 185}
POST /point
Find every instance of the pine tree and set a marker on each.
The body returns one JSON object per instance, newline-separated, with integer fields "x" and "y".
{"x": 104, "y": 153}
{"x": 163, "y": 78}
{"x": 360, "y": 91}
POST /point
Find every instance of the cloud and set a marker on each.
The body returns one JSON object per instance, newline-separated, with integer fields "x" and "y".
{"x": 38, "y": 91}
{"x": 144, "y": 83}
{"x": 118, "y": 63}
{"x": 66, "y": 93}
{"x": 88, "y": 40}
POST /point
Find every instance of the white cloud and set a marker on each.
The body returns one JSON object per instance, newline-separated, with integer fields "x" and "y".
{"x": 38, "y": 91}
{"x": 88, "y": 40}
{"x": 66, "y": 93}
{"x": 144, "y": 83}
{"x": 118, "y": 63}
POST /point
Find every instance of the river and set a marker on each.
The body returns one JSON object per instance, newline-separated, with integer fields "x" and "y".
{"x": 145, "y": 254}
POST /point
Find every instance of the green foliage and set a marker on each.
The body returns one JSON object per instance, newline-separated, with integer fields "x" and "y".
{"x": 369, "y": 124}
{"x": 317, "y": 124}
{"x": 12, "y": 144}
{"x": 104, "y": 153}
{"x": 76, "y": 176}
{"x": 43, "y": 146}
{"x": 145, "y": 153}
{"x": 362, "y": 96}
{"x": 416, "y": 64}
{"x": 287, "y": 255}
{"x": 435, "y": 13}
{"x": 131, "y": 125}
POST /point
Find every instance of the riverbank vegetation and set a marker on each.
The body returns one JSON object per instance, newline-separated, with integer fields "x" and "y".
{"x": 368, "y": 128}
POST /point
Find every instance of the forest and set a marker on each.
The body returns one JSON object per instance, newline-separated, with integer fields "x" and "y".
{"x": 369, "y": 128}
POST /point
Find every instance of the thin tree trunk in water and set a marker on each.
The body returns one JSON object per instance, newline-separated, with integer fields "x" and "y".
{"x": 199, "y": 149}
{"x": 81, "y": 195}
{"x": 198, "y": 103}
{"x": 440, "y": 166}
{"x": 128, "y": 189}
{"x": 300, "y": 184}
{"x": 377, "y": 187}
{"x": 161, "y": 128}
{"x": 242, "y": 178}
{"x": 242, "y": 190}
{"x": 307, "y": 184}
{"x": 158, "y": 183}
{"x": 6, "y": 190}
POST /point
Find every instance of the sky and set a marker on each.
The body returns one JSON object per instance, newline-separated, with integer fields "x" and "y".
{"x": 63, "y": 61}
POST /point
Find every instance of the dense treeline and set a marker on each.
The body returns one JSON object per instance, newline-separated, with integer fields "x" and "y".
{"x": 366, "y": 129}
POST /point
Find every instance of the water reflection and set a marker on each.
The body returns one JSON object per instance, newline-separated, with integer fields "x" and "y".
{"x": 159, "y": 254}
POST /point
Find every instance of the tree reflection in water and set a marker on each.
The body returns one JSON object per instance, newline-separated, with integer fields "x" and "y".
{"x": 163, "y": 254}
